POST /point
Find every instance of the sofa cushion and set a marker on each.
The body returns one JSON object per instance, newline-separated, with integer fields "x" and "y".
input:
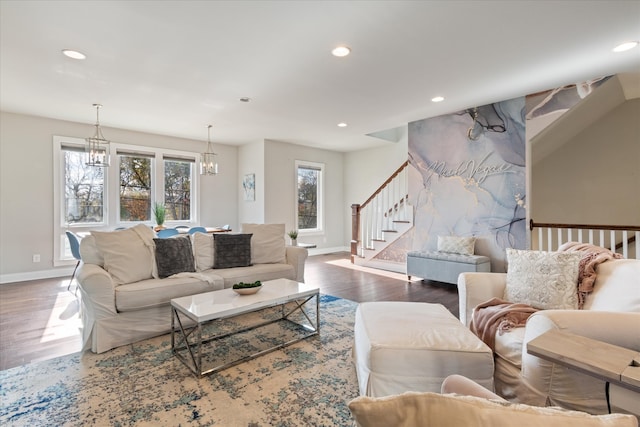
{"x": 544, "y": 280}
{"x": 231, "y": 250}
{"x": 617, "y": 287}
{"x": 267, "y": 243}
{"x": 89, "y": 251}
{"x": 262, "y": 272}
{"x": 202, "y": 250}
{"x": 128, "y": 254}
{"x": 158, "y": 292}
{"x": 174, "y": 256}
{"x": 456, "y": 244}
{"x": 428, "y": 409}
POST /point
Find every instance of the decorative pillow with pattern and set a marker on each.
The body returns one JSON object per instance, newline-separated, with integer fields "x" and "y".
{"x": 174, "y": 255}
{"x": 456, "y": 245}
{"x": 231, "y": 250}
{"x": 544, "y": 280}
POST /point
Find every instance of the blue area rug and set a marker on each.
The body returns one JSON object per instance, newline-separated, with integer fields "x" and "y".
{"x": 306, "y": 384}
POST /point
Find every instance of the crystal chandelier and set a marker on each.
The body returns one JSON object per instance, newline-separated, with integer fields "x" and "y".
{"x": 97, "y": 147}
{"x": 208, "y": 163}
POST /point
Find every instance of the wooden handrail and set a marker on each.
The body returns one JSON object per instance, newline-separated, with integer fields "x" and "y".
{"x": 375, "y": 193}
{"x": 532, "y": 225}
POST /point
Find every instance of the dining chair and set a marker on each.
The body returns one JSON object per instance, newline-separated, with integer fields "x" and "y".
{"x": 74, "y": 244}
{"x": 197, "y": 230}
{"x": 167, "y": 232}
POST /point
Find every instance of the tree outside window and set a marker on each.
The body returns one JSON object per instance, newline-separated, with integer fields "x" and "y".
{"x": 135, "y": 188}
{"x": 83, "y": 189}
{"x": 177, "y": 189}
{"x": 309, "y": 196}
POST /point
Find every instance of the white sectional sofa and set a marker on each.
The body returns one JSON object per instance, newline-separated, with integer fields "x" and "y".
{"x": 125, "y": 299}
{"x": 611, "y": 313}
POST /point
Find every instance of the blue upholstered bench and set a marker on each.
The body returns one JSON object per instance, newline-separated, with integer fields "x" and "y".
{"x": 444, "y": 266}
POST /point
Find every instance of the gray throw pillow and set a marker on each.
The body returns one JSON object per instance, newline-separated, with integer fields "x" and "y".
{"x": 174, "y": 255}
{"x": 231, "y": 250}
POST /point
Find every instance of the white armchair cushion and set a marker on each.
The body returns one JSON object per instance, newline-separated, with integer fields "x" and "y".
{"x": 544, "y": 280}
{"x": 617, "y": 287}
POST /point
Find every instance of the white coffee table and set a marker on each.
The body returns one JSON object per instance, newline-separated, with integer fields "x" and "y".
{"x": 187, "y": 340}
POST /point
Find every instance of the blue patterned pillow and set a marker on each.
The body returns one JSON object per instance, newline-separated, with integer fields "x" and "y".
{"x": 173, "y": 256}
{"x": 231, "y": 250}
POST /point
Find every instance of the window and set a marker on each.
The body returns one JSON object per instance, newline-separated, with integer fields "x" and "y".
{"x": 83, "y": 188}
{"x": 135, "y": 187}
{"x": 177, "y": 188}
{"x": 309, "y": 210}
{"x": 137, "y": 178}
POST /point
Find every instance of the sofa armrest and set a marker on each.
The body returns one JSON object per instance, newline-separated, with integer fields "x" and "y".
{"x": 97, "y": 290}
{"x": 476, "y": 288}
{"x": 297, "y": 256}
{"x": 556, "y": 385}
{"x": 617, "y": 328}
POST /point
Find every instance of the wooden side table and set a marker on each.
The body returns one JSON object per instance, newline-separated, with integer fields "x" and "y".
{"x": 619, "y": 367}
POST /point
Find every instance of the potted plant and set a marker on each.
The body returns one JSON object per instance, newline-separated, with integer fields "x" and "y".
{"x": 293, "y": 235}
{"x": 159, "y": 212}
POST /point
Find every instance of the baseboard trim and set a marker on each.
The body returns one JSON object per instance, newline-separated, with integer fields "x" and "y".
{"x": 324, "y": 251}
{"x": 396, "y": 267}
{"x": 35, "y": 275}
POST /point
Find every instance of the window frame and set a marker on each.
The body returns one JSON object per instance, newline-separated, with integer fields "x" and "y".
{"x": 111, "y": 208}
{"x": 319, "y": 230}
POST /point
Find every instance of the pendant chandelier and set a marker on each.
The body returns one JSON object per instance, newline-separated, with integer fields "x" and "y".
{"x": 97, "y": 147}
{"x": 208, "y": 162}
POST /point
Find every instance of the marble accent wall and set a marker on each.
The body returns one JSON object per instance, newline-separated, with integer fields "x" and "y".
{"x": 468, "y": 178}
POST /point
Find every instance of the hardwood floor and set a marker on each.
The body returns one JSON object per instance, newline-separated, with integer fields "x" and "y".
{"x": 39, "y": 319}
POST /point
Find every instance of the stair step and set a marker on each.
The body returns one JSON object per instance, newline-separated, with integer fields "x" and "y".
{"x": 389, "y": 231}
{"x": 402, "y": 221}
{"x": 378, "y": 240}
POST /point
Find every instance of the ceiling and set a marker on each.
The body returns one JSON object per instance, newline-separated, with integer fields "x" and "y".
{"x": 173, "y": 67}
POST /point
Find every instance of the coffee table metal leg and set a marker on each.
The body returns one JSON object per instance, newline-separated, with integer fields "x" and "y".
{"x": 300, "y": 306}
{"x": 199, "y": 336}
{"x": 183, "y": 339}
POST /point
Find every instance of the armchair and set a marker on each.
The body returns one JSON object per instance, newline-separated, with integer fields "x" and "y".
{"x": 611, "y": 314}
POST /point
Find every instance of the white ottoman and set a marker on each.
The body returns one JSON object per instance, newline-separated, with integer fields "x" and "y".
{"x": 414, "y": 346}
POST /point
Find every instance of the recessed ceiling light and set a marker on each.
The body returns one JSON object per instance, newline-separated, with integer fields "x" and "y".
{"x": 245, "y": 99}
{"x": 437, "y": 99}
{"x": 625, "y": 46}
{"x": 73, "y": 54}
{"x": 342, "y": 125}
{"x": 341, "y": 51}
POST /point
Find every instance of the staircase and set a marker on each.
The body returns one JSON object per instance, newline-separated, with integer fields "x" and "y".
{"x": 381, "y": 220}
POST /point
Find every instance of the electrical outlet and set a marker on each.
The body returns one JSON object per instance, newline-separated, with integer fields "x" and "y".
{"x": 36, "y": 257}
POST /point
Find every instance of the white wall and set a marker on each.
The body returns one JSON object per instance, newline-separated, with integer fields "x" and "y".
{"x": 595, "y": 177}
{"x": 366, "y": 170}
{"x": 26, "y": 188}
{"x": 280, "y": 184}
{"x": 251, "y": 161}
